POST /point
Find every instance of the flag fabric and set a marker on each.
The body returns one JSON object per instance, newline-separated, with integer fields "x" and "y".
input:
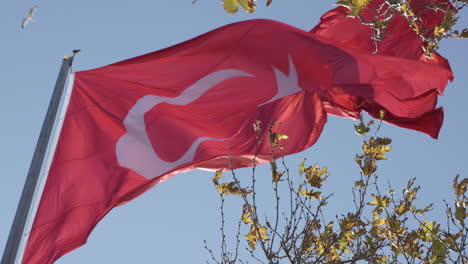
{"x": 407, "y": 104}
{"x": 135, "y": 123}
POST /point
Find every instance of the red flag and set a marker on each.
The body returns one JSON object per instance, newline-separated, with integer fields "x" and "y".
{"x": 135, "y": 123}
{"x": 407, "y": 104}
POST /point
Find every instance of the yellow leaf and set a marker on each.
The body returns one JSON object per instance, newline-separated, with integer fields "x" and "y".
{"x": 460, "y": 214}
{"x": 361, "y": 129}
{"x": 380, "y": 221}
{"x": 359, "y": 183}
{"x": 369, "y": 166}
{"x": 415, "y": 27}
{"x": 460, "y": 188}
{"x": 310, "y": 194}
{"x": 246, "y": 214}
{"x": 449, "y": 19}
{"x": 314, "y": 176}
{"x": 380, "y": 23}
{"x": 313, "y": 225}
{"x": 402, "y": 208}
{"x": 380, "y": 201}
{"x": 463, "y": 34}
{"x": 346, "y": 3}
{"x": 275, "y": 175}
{"x": 248, "y": 5}
{"x": 439, "y": 31}
{"x": 253, "y": 235}
{"x": 301, "y": 167}
{"x": 232, "y": 189}
{"x": 218, "y": 175}
{"x": 231, "y": 6}
{"x": 357, "y": 6}
{"x": 429, "y": 48}
{"x": 407, "y": 12}
{"x": 382, "y": 114}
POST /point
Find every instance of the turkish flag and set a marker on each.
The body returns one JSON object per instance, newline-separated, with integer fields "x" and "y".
{"x": 135, "y": 123}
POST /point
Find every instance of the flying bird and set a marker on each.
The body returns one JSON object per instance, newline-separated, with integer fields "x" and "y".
{"x": 29, "y": 16}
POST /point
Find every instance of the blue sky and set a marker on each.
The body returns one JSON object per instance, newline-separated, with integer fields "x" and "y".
{"x": 169, "y": 223}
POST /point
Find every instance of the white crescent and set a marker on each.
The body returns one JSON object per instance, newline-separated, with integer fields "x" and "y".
{"x": 134, "y": 149}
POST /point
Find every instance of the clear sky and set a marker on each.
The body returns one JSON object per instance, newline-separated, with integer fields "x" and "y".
{"x": 169, "y": 223}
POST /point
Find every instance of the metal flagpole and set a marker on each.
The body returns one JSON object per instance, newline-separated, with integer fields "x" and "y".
{"x": 19, "y": 223}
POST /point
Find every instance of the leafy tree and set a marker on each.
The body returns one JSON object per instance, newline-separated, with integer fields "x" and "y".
{"x": 385, "y": 226}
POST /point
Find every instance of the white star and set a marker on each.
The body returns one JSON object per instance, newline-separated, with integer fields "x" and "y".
{"x": 286, "y": 84}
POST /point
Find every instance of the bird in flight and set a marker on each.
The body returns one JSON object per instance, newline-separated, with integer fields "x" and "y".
{"x": 29, "y": 16}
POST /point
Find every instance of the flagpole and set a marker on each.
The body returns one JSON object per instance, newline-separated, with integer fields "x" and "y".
{"x": 19, "y": 223}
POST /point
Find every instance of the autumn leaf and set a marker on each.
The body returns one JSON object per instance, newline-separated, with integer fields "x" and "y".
{"x": 218, "y": 175}
{"x": 313, "y": 225}
{"x": 354, "y": 5}
{"x": 439, "y": 31}
{"x": 253, "y": 235}
{"x": 460, "y": 213}
{"x": 423, "y": 210}
{"x": 359, "y": 183}
{"x": 232, "y": 189}
{"x": 314, "y": 176}
{"x": 429, "y": 48}
{"x": 275, "y": 175}
{"x": 460, "y": 188}
{"x": 406, "y": 10}
{"x": 361, "y": 129}
{"x": 380, "y": 201}
{"x": 380, "y": 23}
{"x": 402, "y": 208}
{"x": 449, "y": 19}
{"x": 301, "y": 167}
{"x": 366, "y": 164}
{"x": 463, "y": 34}
{"x": 246, "y": 214}
{"x": 310, "y": 194}
{"x": 382, "y": 114}
{"x": 248, "y": 5}
{"x": 231, "y": 6}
